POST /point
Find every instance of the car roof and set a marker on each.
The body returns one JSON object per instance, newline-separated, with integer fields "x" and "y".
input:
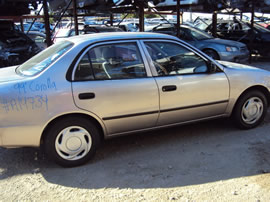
{"x": 166, "y": 25}
{"x": 99, "y": 27}
{"x": 108, "y": 36}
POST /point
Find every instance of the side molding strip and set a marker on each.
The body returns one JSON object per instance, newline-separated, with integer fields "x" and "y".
{"x": 162, "y": 111}
{"x": 129, "y": 115}
{"x": 194, "y": 106}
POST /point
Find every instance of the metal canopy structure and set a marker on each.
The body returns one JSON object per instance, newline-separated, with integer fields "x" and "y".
{"x": 17, "y": 7}
{"x": 92, "y": 7}
{"x": 109, "y": 7}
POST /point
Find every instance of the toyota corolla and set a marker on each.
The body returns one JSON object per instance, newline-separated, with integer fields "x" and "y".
{"x": 85, "y": 89}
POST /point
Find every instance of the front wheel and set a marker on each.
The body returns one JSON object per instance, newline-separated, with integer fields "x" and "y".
{"x": 72, "y": 141}
{"x": 213, "y": 54}
{"x": 250, "y": 110}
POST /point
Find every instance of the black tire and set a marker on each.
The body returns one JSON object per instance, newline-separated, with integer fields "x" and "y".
{"x": 256, "y": 103}
{"x": 71, "y": 135}
{"x": 211, "y": 53}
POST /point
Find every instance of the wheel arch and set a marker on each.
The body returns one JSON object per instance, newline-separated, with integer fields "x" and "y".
{"x": 260, "y": 88}
{"x": 81, "y": 115}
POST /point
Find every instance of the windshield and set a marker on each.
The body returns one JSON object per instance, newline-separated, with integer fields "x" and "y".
{"x": 201, "y": 24}
{"x": 42, "y": 60}
{"x": 199, "y": 35}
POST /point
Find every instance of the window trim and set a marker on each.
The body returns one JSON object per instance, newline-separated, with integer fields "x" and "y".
{"x": 87, "y": 49}
{"x": 152, "y": 66}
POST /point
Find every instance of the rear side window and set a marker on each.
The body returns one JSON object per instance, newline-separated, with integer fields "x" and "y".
{"x": 113, "y": 61}
{"x": 41, "y": 61}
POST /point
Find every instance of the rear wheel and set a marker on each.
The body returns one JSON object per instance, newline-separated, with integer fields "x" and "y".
{"x": 72, "y": 141}
{"x": 250, "y": 110}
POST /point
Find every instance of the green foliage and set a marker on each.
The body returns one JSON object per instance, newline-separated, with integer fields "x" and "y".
{"x": 151, "y": 15}
{"x": 131, "y": 15}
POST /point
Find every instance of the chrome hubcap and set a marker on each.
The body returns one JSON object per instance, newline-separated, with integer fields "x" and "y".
{"x": 73, "y": 143}
{"x": 252, "y": 110}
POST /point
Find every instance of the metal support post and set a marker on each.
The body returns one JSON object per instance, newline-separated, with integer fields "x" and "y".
{"x": 141, "y": 17}
{"x": 47, "y": 23}
{"x": 111, "y": 19}
{"x": 178, "y": 18}
{"x": 214, "y": 24}
{"x": 21, "y": 23}
{"x": 251, "y": 31}
{"x": 75, "y": 15}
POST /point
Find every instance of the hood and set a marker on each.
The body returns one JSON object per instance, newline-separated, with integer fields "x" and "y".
{"x": 8, "y": 74}
{"x": 225, "y": 42}
{"x": 14, "y": 38}
{"x": 232, "y": 65}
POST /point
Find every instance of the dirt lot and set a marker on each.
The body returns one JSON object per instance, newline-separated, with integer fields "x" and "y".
{"x": 209, "y": 161}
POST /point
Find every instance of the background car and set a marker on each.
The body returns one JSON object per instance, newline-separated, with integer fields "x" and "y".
{"x": 127, "y": 26}
{"x": 216, "y": 48}
{"x": 39, "y": 38}
{"x": 117, "y": 83}
{"x": 237, "y": 30}
{"x": 41, "y": 26}
{"x": 87, "y": 29}
{"x": 26, "y": 27}
{"x": 15, "y": 46}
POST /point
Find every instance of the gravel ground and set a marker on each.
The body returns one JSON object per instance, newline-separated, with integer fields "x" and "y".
{"x": 208, "y": 161}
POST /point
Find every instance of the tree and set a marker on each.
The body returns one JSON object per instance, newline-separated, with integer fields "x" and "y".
{"x": 152, "y": 15}
{"x": 131, "y": 15}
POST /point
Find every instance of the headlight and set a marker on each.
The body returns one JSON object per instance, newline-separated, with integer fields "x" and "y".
{"x": 232, "y": 49}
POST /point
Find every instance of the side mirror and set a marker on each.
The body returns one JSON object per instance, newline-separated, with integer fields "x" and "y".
{"x": 212, "y": 68}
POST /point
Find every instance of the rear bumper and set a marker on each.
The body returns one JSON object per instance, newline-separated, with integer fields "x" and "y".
{"x": 1, "y": 143}
{"x": 20, "y": 136}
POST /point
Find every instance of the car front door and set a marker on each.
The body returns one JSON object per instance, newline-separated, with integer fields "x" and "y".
{"x": 188, "y": 90}
{"x": 113, "y": 81}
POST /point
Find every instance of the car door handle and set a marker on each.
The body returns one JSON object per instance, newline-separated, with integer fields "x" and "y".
{"x": 86, "y": 96}
{"x": 169, "y": 88}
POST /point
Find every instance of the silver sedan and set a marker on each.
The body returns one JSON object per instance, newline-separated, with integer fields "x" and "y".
{"x": 80, "y": 91}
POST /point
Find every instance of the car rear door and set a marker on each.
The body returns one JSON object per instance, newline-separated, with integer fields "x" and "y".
{"x": 112, "y": 80}
{"x": 188, "y": 91}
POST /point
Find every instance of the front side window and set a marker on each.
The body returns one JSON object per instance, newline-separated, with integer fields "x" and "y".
{"x": 113, "y": 61}
{"x": 223, "y": 27}
{"x": 173, "y": 59}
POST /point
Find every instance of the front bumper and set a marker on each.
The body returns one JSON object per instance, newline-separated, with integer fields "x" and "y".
{"x": 240, "y": 57}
